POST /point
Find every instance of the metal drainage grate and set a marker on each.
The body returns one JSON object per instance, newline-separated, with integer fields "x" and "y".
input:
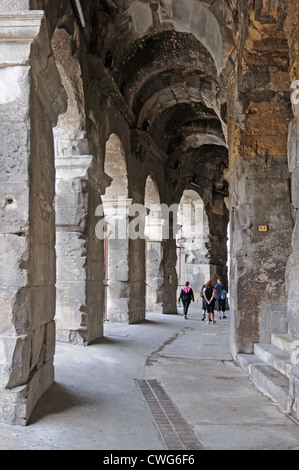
{"x": 175, "y": 431}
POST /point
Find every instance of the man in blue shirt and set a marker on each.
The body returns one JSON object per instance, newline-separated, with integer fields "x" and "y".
{"x": 220, "y": 298}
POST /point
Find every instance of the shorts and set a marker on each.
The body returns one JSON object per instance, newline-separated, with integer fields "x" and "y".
{"x": 210, "y": 307}
{"x": 203, "y": 305}
{"x": 221, "y": 305}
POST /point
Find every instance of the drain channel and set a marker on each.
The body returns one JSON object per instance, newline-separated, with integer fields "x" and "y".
{"x": 174, "y": 429}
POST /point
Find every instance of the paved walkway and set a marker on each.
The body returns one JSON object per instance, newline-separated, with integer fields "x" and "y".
{"x": 164, "y": 384}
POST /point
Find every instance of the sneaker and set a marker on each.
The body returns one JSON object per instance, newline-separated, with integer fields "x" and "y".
{"x": 224, "y": 317}
{"x": 219, "y": 318}
{"x": 203, "y": 318}
{"x": 186, "y": 317}
{"x": 214, "y": 321}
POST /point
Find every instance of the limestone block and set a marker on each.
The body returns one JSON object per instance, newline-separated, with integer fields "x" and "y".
{"x": 296, "y": 234}
{"x": 95, "y": 270}
{"x": 94, "y": 291}
{"x": 69, "y": 193}
{"x": 294, "y": 392}
{"x": 37, "y": 343}
{"x": 118, "y": 269}
{"x": 70, "y": 293}
{"x": 13, "y": 406}
{"x": 50, "y": 339}
{"x": 16, "y": 404}
{"x": 12, "y": 249}
{"x": 14, "y": 360}
{"x": 70, "y": 216}
{"x": 42, "y": 379}
{"x": 14, "y": 143}
{"x": 295, "y": 187}
{"x": 17, "y": 31}
{"x": 7, "y": 296}
{"x": 70, "y": 244}
{"x": 14, "y": 5}
{"x": 14, "y": 208}
{"x": 117, "y": 309}
{"x": 14, "y": 97}
{"x": 43, "y": 305}
{"x": 117, "y": 289}
{"x": 71, "y": 268}
{"x": 68, "y": 318}
{"x": 45, "y": 75}
{"x": 43, "y": 263}
{"x": 293, "y": 145}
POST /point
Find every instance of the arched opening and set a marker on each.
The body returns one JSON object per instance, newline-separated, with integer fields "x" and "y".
{"x": 78, "y": 316}
{"x": 116, "y": 209}
{"x": 193, "y": 263}
{"x": 153, "y": 249}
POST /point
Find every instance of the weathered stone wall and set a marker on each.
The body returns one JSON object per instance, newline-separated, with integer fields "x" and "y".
{"x": 260, "y": 196}
{"x": 259, "y": 179}
{"x": 292, "y": 271}
{"x": 31, "y": 99}
{"x": 249, "y": 115}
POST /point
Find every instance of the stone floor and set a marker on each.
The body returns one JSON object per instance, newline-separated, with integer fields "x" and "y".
{"x": 164, "y": 384}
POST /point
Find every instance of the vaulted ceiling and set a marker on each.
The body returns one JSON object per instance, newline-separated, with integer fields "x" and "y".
{"x": 167, "y": 57}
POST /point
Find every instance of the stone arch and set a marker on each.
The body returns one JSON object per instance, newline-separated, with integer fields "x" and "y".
{"x": 116, "y": 211}
{"x": 193, "y": 263}
{"x": 211, "y": 25}
{"x": 153, "y": 248}
{"x": 116, "y": 167}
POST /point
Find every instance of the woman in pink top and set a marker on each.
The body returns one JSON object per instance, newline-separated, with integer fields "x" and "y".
{"x": 186, "y": 296}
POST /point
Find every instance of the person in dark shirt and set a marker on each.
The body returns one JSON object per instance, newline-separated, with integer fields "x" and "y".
{"x": 209, "y": 294}
{"x": 220, "y": 302}
{"x": 186, "y": 296}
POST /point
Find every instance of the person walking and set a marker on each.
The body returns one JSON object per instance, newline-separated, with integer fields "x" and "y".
{"x": 203, "y": 304}
{"x": 186, "y": 296}
{"x": 220, "y": 305}
{"x": 223, "y": 303}
{"x": 209, "y": 294}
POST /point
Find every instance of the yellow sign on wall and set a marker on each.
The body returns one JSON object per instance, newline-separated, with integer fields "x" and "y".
{"x": 263, "y": 228}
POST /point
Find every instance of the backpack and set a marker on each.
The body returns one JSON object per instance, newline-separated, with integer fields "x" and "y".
{"x": 223, "y": 294}
{"x": 201, "y": 292}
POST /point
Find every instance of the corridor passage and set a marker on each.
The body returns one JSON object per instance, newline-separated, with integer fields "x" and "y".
{"x": 97, "y": 403}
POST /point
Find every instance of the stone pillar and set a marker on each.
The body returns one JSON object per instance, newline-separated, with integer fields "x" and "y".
{"x": 260, "y": 229}
{"x": 154, "y": 264}
{"x": 293, "y": 261}
{"x": 136, "y": 232}
{"x": 169, "y": 265}
{"x": 292, "y": 271}
{"x": 80, "y": 294}
{"x": 31, "y": 97}
{"x": 261, "y": 218}
{"x": 117, "y": 259}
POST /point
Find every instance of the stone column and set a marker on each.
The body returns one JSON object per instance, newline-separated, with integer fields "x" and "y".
{"x": 293, "y": 261}
{"x": 31, "y": 97}
{"x": 117, "y": 259}
{"x": 154, "y": 260}
{"x": 260, "y": 228}
{"x": 261, "y": 221}
{"x": 80, "y": 296}
{"x": 292, "y": 271}
{"x": 137, "y": 215}
{"x": 169, "y": 265}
